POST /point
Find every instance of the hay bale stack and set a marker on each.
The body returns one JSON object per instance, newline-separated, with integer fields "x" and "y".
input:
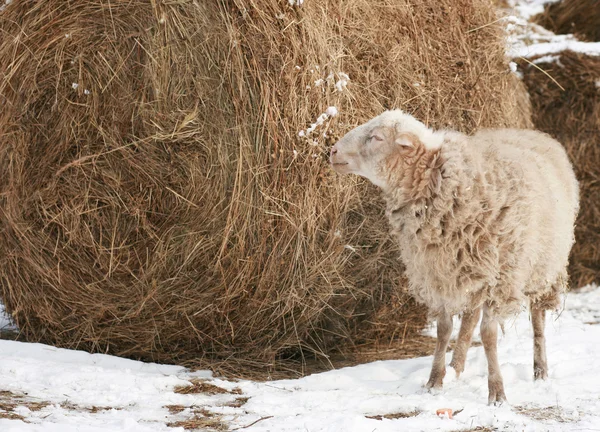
{"x": 572, "y": 116}
{"x": 579, "y": 17}
{"x": 157, "y": 200}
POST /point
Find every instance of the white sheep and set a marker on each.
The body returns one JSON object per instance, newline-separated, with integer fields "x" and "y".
{"x": 483, "y": 221}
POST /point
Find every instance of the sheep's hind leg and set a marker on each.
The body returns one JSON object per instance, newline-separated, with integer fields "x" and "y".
{"x": 467, "y": 326}
{"x": 438, "y": 370}
{"x": 540, "y": 364}
{"x": 489, "y": 337}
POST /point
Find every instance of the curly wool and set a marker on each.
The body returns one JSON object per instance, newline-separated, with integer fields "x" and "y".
{"x": 487, "y": 218}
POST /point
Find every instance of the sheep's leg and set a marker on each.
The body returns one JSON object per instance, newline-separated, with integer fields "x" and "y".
{"x": 438, "y": 370}
{"x": 540, "y": 364}
{"x": 489, "y": 337}
{"x": 467, "y": 326}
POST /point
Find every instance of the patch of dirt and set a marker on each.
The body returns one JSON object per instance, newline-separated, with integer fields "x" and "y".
{"x": 9, "y": 401}
{"x": 80, "y": 408}
{"x": 479, "y": 429}
{"x": 543, "y": 414}
{"x": 175, "y": 409}
{"x": 10, "y": 415}
{"x": 200, "y": 386}
{"x": 201, "y": 420}
{"x": 394, "y": 416}
{"x": 8, "y": 334}
{"x": 238, "y": 402}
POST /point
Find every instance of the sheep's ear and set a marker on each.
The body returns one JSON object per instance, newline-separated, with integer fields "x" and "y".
{"x": 407, "y": 140}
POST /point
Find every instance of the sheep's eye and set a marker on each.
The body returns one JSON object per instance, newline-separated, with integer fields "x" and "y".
{"x": 376, "y": 138}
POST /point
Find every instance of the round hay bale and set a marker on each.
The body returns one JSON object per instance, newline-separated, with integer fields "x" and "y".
{"x": 157, "y": 200}
{"x": 572, "y": 116}
{"x": 579, "y": 17}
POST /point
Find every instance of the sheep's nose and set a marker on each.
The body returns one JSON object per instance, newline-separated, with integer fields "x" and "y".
{"x": 333, "y": 150}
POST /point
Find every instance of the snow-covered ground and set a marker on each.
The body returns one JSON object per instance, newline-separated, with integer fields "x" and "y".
{"x": 76, "y": 391}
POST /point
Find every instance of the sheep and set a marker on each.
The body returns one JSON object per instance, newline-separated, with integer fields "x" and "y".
{"x": 484, "y": 223}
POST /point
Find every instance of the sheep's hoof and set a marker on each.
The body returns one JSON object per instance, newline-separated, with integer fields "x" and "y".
{"x": 540, "y": 373}
{"x": 496, "y": 394}
{"x": 435, "y": 382}
{"x": 497, "y": 403}
{"x": 458, "y": 366}
{"x": 433, "y": 386}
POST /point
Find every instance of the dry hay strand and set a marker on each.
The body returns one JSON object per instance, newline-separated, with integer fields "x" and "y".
{"x": 579, "y": 17}
{"x": 157, "y": 201}
{"x": 572, "y": 117}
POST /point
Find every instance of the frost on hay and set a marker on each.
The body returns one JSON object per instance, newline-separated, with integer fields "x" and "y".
{"x": 166, "y": 208}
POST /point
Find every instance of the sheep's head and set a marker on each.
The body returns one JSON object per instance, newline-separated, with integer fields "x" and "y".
{"x": 383, "y": 144}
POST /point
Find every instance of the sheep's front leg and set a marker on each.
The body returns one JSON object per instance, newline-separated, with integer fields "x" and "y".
{"x": 540, "y": 364}
{"x": 467, "y": 326}
{"x": 438, "y": 370}
{"x": 489, "y": 337}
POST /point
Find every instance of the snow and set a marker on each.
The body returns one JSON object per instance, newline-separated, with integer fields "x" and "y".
{"x": 4, "y": 4}
{"x": 135, "y": 394}
{"x": 5, "y": 323}
{"x": 342, "y": 82}
{"x": 527, "y": 39}
{"x": 336, "y": 82}
{"x": 555, "y": 46}
{"x": 529, "y": 8}
{"x": 548, "y": 59}
{"x": 330, "y": 112}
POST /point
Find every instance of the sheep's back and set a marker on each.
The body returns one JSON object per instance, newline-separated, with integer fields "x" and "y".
{"x": 549, "y": 200}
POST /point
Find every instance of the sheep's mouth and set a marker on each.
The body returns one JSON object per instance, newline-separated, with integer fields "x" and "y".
{"x": 340, "y": 167}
